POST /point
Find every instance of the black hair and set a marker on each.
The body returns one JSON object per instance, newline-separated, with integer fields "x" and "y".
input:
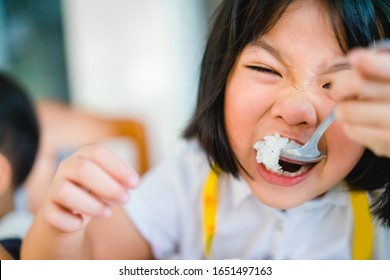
{"x": 19, "y": 129}
{"x": 238, "y": 23}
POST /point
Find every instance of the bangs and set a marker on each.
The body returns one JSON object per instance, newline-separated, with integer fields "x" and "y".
{"x": 357, "y": 23}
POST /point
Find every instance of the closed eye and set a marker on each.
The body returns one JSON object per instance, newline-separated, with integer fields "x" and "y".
{"x": 264, "y": 70}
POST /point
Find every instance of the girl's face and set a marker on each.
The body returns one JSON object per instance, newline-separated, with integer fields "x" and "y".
{"x": 280, "y": 84}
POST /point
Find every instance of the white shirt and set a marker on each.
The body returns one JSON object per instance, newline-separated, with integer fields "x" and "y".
{"x": 167, "y": 210}
{"x": 15, "y": 224}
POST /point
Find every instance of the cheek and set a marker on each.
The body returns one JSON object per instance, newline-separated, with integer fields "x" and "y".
{"x": 242, "y": 113}
{"x": 236, "y": 119}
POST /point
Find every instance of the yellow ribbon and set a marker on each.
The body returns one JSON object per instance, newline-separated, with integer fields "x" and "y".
{"x": 210, "y": 209}
{"x": 363, "y": 227}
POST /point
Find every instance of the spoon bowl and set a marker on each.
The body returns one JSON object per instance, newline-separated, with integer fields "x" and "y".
{"x": 309, "y": 152}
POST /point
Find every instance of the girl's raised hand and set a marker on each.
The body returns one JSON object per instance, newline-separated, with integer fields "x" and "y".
{"x": 85, "y": 186}
{"x": 363, "y": 99}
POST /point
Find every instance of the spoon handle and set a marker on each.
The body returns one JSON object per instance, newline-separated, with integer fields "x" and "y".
{"x": 322, "y": 127}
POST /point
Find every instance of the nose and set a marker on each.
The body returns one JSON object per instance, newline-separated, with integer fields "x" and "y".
{"x": 295, "y": 109}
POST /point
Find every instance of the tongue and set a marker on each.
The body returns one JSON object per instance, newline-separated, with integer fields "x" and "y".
{"x": 289, "y": 166}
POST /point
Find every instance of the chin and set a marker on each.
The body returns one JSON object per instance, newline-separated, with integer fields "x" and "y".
{"x": 284, "y": 191}
{"x": 284, "y": 198}
{"x": 280, "y": 201}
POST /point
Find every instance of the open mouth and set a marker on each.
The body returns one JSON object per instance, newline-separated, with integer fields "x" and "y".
{"x": 290, "y": 169}
{"x": 268, "y": 152}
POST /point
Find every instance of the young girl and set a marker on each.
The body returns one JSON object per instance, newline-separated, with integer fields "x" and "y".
{"x": 269, "y": 67}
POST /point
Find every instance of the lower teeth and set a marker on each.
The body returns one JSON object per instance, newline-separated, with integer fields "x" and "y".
{"x": 281, "y": 172}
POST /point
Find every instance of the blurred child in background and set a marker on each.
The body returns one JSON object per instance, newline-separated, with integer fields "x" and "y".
{"x": 19, "y": 139}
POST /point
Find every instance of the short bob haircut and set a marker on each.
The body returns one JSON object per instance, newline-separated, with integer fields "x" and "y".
{"x": 238, "y": 23}
{"x": 19, "y": 129}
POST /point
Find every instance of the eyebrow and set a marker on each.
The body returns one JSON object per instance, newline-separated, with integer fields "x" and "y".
{"x": 323, "y": 70}
{"x": 265, "y": 46}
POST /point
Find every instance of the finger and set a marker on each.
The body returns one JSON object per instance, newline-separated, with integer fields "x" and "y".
{"x": 364, "y": 113}
{"x": 90, "y": 176}
{"x": 374, "y": 91}
{"x": 62, "y": 219}
{"x": 78, "y": 201}
{"x": 371, "y": 63}
{"x": 373, "y": 138}
{"x": 112, "y": 164}
{"x": 349, "y": 85}
{"x": 346, "y": 86}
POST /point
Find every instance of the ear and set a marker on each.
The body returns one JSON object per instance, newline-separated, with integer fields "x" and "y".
{"x": 5, "y": 175}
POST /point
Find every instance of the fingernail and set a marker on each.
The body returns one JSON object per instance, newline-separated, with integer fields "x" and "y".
{"x": 107, "y": 212}
{"x": 124, "y": 198}
{"x": 134, "y": 180}
{"x": 353, "y": 55}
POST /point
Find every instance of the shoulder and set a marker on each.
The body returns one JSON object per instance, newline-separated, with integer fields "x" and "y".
{"x": 187, "y": 168}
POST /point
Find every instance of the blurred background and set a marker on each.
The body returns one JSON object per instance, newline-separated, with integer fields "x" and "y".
{"x": 122, "y": 58}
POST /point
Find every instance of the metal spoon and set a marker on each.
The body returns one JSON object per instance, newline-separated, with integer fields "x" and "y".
{"x": 309, "y": 152}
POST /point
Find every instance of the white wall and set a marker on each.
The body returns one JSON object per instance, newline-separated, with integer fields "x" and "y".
{"x": 138, "y": 59}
